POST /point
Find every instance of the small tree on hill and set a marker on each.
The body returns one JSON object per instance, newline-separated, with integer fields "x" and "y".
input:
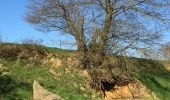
{"x": 32, "y": 41}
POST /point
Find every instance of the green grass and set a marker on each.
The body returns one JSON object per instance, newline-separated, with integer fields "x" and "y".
{"x": 153, "y": 75}
{"x": 18, "y": 83}
{"x": 159, "y": 84}
{"x": 21, "y": 78}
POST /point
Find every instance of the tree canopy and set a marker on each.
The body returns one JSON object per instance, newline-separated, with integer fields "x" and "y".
{"x": 121, "y": 24}
{"x": 103, "y": 27}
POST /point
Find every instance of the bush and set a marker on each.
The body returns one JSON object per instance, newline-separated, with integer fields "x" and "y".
{"x": 7, "y": 51}
{"x": 26, "y": 51}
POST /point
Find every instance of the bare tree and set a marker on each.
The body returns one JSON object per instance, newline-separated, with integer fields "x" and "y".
{"x": 102, "y": 27}
{"x": 31, "y": 41}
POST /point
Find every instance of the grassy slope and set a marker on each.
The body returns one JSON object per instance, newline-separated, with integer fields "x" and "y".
{"x": 18, "y": 84}
{"x": 159, "y": 84}
{"x": 155, "y": 77}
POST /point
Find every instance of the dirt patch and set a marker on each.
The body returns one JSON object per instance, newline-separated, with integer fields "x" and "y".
{"x": 131, "y": 91}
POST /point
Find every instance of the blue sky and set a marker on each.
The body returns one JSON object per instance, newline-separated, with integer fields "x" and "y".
{"x": 14, "y": 28}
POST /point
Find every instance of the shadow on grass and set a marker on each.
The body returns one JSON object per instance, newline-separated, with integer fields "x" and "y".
{"x": 10, "y": 89}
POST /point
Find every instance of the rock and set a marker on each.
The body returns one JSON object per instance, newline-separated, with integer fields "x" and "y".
{"x": 3, "y": 70}
{"x": 53, "y": 72}
{"x": 82, "y": 89}
{"x": 71, "y": 62}
{"x": 39, "y": 93}
{"x": 56, "y": 62}
{"x": 75, "y": 85}
{"x": 85, "y": 95}
{"x": 2, "y": 67}
{"x": 84, "y": 74}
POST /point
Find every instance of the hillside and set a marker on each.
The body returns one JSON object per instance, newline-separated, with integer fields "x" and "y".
{"x": 17, "y": 77}
{"x": 44, "y": 65}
